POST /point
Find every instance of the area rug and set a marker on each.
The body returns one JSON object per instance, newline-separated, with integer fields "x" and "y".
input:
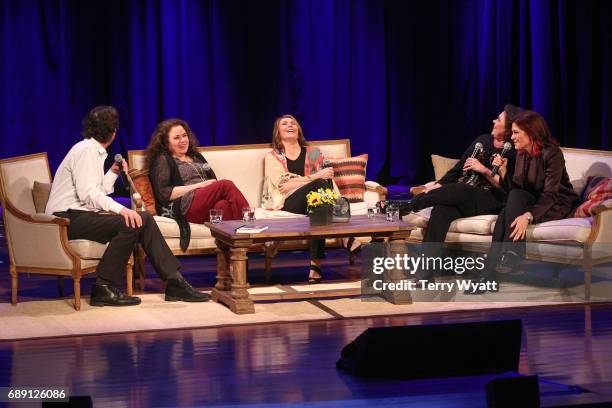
{"x": 56, "y": 318}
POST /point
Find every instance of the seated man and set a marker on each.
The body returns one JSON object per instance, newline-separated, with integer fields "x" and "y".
{"x": 79, "y": 193}
{"x": 471, "y": 187}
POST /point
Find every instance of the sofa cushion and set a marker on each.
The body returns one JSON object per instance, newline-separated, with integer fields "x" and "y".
{"x": 596, "y": 196}
{"x": 568, "y": 229}
{"x": 442, "y": 165}
{"x": 349, "y": 175}
{"x": 86, "y": 249}
{"x": 479, "y": 224}
{"x": 169, "y": 228}
{"x": 142, "y": 184}
{"x": 40, "y": 195}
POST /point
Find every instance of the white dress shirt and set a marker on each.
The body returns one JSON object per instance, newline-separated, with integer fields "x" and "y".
{"x": 80, "y": 182}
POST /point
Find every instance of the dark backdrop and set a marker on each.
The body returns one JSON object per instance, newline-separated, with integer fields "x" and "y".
{"x": 401, "y": 79}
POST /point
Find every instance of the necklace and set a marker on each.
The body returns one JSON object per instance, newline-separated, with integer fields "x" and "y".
{"x": 195, "y": 168}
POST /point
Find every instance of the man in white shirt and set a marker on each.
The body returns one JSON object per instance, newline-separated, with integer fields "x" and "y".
{"x": 79, "y": 193}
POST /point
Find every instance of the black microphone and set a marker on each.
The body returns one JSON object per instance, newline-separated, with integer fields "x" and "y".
{"x": 327, "y": 163}
{"x": 124, "y": 179}
{"x": 504, "y": 152}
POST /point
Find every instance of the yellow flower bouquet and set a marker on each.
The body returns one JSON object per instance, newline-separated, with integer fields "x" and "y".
{"x": 320, "y": 204}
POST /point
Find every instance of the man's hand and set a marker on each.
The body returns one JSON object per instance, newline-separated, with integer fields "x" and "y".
{"x": 115, "y": 167}
{"x": 473, "y": 164}
{"x": 519, "y": 226}
{"x": 131, "y": 217}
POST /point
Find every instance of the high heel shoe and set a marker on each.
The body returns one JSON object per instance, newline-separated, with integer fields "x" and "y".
{"x": 312, "y": 280}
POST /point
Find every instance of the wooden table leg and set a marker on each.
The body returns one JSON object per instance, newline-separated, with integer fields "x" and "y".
{"x": 236, "y": 296}
{"x": 397, "y": 246}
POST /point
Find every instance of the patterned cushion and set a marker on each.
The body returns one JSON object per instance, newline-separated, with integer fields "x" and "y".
{"x": 601, "y": 193}
{"x": 142, "y": 184}
{"x": 349, "y": 175}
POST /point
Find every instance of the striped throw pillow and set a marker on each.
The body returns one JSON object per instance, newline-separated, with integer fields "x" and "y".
{"x": 349, "y": 175}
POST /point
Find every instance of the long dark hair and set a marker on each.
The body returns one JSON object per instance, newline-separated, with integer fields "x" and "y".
{"x": 159, "y": 140}
{"x": 534, "y": 125}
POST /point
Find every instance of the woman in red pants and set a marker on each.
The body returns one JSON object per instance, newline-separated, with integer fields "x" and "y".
{"x": 184, "y": 184}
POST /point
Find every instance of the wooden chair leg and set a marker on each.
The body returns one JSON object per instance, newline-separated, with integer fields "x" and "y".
{"x": 60, "y": 286}
{"x": 587, "y": 264}
{"x": 77, "y": 293}
{"x": 129, "y": 277}
{"x": 14, "y": 284}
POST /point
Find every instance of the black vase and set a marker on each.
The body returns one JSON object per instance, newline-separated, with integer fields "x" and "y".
{"x": 321, "y": 215}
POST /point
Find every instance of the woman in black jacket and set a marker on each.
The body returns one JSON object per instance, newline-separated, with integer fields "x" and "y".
{"x": 539, "y": 191}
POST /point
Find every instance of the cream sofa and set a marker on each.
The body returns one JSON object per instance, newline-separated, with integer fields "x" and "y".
{"x": 581, "y": 241}
{"x": 244, "y": 165}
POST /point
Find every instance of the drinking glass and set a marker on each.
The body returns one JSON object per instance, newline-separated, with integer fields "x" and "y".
{"x": 392, "y": 213}
{"x": 248, "y": 214}
{"x": 216, "y": 216}
{"x": 372, "y": 210}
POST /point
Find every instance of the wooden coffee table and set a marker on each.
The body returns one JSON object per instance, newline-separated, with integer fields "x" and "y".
{"x": 231, "y": 287}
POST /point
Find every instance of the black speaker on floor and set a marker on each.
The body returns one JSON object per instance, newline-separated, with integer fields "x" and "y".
{"x": 514, "y": 392}
{"x": 431, "y": 351}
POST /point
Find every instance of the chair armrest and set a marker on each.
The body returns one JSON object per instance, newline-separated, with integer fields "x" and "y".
{"x": 376, "y": 188}
{"x": 137, "y": 201}
{"x": 38, "y": 240}
{"x": 601, "y": 231}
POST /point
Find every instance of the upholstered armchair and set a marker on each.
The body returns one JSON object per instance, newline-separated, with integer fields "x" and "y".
{"x": 38, "y": 243}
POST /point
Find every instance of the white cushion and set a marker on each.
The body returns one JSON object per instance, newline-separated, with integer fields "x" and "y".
{"x": 479, "y": 224}
{"x": 568, "y": 229}
{"x": 86, "y": 249}
{"x": 169, "y": 228}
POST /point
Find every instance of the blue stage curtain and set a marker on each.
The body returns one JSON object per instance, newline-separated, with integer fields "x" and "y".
{"x": 401, "y": 79}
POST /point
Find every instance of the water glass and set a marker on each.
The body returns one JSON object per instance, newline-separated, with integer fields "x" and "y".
{"x": 248, "y": 214}
{"x": 216, "y": 216}
{"x": 392, "y": 213}
{"x": 372, "y": 210}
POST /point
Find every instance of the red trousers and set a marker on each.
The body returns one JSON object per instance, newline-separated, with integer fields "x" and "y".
{"x": 223, "y": 195}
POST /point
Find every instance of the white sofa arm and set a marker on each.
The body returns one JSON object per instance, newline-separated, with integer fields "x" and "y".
{"x": 374, "y": 192}
{"x": 602, "y": 223}
{"x": 39, "y": 241}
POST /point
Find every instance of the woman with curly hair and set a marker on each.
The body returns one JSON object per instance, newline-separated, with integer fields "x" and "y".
{"x": 184, "y": 184}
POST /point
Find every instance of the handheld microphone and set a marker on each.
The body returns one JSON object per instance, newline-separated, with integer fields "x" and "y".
{"x": 327, "y": 163}
{"x": 477, "y": 149}
{"x": 124, "y": 179}
{"x": 504, "y": 152}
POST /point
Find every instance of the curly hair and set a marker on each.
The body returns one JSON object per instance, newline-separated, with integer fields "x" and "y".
{"x": 159, "y": 140}
{"x": 277, "y": 143}
{"x": 534, "y": 125}
{"x": 100, "y": 123}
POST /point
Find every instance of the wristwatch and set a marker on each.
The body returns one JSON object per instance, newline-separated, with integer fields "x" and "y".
{"x": 529, "y": 217}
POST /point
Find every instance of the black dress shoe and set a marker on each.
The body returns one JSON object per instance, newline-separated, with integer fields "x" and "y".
{"x": 508, "y": 262}
{"x": 179, "y": 289}
{"x": 483, "y": 285}
{"x": 109, "y": 295}
{"x": 404, "y": 206}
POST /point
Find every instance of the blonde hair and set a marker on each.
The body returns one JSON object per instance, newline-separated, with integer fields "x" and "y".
{"x": 277, "y": 143}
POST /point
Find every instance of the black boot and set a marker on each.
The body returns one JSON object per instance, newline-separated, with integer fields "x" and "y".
{"x": 179, "y": 289}
{"x": 404, "y": 206}
{"x": 508, "y": 262}
{"x": 109, "y": 295}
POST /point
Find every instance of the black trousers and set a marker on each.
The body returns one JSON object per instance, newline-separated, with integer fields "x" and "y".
{"x": 111, "y": 228}
{"x": 453, "y": 201}
{"x": 296, "y": 203}
{"x": 518, "y": 203}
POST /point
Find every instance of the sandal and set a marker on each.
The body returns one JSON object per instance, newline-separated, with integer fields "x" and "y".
{"x": 349, "y": 245}
{"x": 313, "y": 280}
